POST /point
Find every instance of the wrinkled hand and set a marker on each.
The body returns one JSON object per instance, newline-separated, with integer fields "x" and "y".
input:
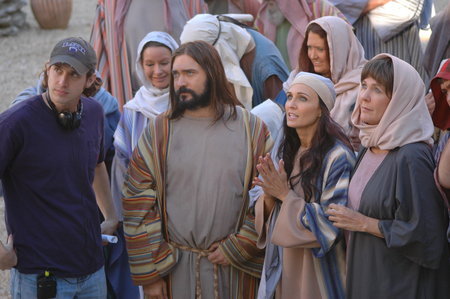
{"x": 156, "y": 290}
{"x": 8, "y": 257}
{"x": 216, "y": 256}
{"x": 274, "y": 182}
{"x": 108, "y": 227}
{"x": 346, "y": 218}
{"x": 431, "y": 104}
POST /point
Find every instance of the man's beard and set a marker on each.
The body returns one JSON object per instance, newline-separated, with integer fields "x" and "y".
{"x": 275, "y": 15}
{"x": 195, "y": 102}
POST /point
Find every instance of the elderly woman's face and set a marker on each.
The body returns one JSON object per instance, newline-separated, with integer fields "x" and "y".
{"x": 302, "y": 107}
{"x": 318, "y": 54}
{"x": 373, "y": 101}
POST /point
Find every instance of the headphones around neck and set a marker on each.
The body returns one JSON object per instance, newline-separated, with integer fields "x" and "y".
{"x": 68, "y": 120}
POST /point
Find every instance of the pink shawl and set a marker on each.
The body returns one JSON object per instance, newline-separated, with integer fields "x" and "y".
{"x": 299, "y": 13}
{"x": 346, "y": 61}
{"x": 406, "y": 119}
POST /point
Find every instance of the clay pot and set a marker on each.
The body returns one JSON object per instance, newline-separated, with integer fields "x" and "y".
{"x": 52, "y": 14}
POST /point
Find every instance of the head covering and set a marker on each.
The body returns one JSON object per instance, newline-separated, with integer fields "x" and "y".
{"x": 231, "y": 41}
{"x": 406, "y": 119}
{"x": 150, "y": 100}
{"x": 321, "y": 85}
{"x": 346, "y": 63}
{"x": 441, "y": 114}
{"x": 271, "y": 114}
{"x": 76, "y": 52}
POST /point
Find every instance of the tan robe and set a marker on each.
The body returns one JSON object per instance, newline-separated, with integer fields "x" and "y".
{"x": 298, "y": 278}
{"x": 205, "y": 180}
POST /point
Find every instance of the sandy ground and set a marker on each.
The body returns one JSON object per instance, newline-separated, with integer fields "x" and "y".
{"x": 22, "y": 58}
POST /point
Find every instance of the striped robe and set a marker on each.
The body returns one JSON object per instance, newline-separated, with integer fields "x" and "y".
{"x": 151, "y": 255}
{"x": 314, "y": 236}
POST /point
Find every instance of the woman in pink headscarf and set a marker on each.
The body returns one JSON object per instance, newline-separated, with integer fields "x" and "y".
{"x": 284, "y": 22}
{"x": 397, "y": 246}
{"x": 332, "y": 50}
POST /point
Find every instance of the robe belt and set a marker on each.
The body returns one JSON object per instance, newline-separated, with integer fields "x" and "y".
{"x": 201, "y": 253}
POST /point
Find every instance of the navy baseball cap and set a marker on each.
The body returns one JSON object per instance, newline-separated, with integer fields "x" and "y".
{"x": 76, "y": 52}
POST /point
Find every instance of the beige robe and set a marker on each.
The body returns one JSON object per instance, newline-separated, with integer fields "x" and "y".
{"x": 205, "y": 181}
{"x": 298, "y": 278}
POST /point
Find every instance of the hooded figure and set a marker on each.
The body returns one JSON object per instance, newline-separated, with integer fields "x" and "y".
{"x": 441, "y": 114}
{"x": 148, "y": 102}
{"x": 345, "y": 62}
{"x": 287, "y": 30}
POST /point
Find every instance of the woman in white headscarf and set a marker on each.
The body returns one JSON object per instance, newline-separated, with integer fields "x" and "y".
{"x": 397, "y": 245}
{"x": 153, "y": 69}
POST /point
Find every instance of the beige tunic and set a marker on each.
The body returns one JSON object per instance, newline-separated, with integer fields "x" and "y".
{"x": 205, "y": 179}
{"x": 298, "y": 278}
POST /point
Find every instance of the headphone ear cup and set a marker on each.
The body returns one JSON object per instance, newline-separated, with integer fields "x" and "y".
{"x": 65, "y": 119}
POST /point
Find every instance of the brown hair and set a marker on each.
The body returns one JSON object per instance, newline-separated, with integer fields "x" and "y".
{"x": 152, "y": 44}
{"x": 304, "y": 63}
{"x": 382, "y": 71}
{"x": 88, "y": 91}
{"x": 208, "y": 58}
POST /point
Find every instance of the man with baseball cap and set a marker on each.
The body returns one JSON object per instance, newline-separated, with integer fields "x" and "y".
{"x": 54, "y": 180}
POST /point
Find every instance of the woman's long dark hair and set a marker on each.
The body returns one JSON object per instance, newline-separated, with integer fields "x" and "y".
{"x": 327, "y": 134}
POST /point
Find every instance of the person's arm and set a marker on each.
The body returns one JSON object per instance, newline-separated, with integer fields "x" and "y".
{"x": 372, "y": 4}
{"x": 8, "y": 257}
{"x": 444, "y": 167}
{"x": 151, "y": 257}
{"x": 24, "y": 95}
{"x": 351, "y": 220}
{"x": 104, "y": 199}
{"x": 272, "y": 86}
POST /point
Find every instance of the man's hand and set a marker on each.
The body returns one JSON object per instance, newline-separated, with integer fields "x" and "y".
{"x": 104, "y": 199}
{"x": 8, "y": 257}
{"x": 156, "y": 290}
{"x": 216, "y": 256}
{"x": 108, "y": 227}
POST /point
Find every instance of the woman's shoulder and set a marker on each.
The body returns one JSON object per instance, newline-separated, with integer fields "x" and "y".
{"x": 339, "y": 154}
{"x": 414, "y": 150}
{"x": 414, "y": 155}
{"x": 340, "y": 149}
